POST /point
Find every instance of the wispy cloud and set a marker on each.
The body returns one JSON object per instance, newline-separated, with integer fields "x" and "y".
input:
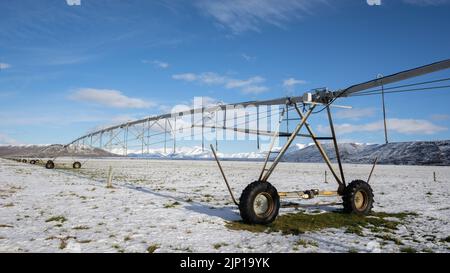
{"x": 189, "y": 77}
{"x": 233, "y": 83}
{"x": 248, "y": 15}
{"x": 4, "y": 66}
{"x": 247, "y": 57}
{"x": 402, "y": 126}
{"x": 73, "y": 2}
{"x": 254, "y": 89}
{"x": 291, "y": 82}
{"x": 109, "y": 97}
{"x": 355, "y": 113}
{"x": 5, "y": 139}
{"x": 252, "y": 85}
{"x": 440, "y": 117}
{"x": 157, "y": 63}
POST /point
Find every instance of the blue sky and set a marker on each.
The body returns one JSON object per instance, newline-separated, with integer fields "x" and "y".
{"x": 66, "y": 69}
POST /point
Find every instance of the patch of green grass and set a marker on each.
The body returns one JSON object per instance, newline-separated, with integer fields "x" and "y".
{"x": 62, "y": 244}
{"x": 172, "y": 205}
{"x": 427, "y": 250}
{"x": 60, "y": 219}
{"x": 62, "y": 240}
{"x": 119, "y": 248}
{"x": 388, "y": 237}
{"x": 297, "y": 223}
{"x": 152, "y": 248}
{"x": 306, "y": 243}
{"x": 352, "y": 250}
{"x": 355, "y": 230}
{"x": 398, "y": 215}
{"x": 219, "y": 245}
{"x": 408, "y": 249}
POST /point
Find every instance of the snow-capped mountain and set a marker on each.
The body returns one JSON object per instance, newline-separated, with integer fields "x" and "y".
{"x": 406, "y": 153}
{"x": 52, "y": 151}
{"x": 399, "y": 153}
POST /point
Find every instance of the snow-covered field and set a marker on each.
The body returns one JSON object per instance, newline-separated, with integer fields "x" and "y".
{"x": 183, "y": 206}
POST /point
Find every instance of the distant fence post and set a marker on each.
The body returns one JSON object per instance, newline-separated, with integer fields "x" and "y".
{"x": 109, "y": 182}
{"x": 326, "y": 177}
{"x": 434, "y": 176}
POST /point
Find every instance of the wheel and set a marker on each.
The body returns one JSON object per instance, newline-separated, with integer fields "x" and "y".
{"x": 24, "y": 160}
{"x": 259, "y": 203}
{"x": 50, "y": 165}
{"x": 76, "y": 165}
{"x": 358, "y": 198}
{"x": 32, "y": 161}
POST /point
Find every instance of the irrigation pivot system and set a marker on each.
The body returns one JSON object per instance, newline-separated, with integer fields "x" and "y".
{"x": 259, "y": 202}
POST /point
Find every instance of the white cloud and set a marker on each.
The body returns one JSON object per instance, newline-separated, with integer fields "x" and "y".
{"x": 233, "y": 83}
{"x": 211, "y": 78}
{"x": 253, "y": 89}
{"x": 247, "y": 57}
{"x": 355, "y": 113}
{"x": 109, "y": 97}
{"x": 248, "y": 15}
{"x": 4, "y": 66}
{"x": 440, "y": 117}
{"x": 5, "y": 139}
{"x": 292, "y": 82}
{"x": 157, "y": 63}
{"x": 403, "y": 126}
{"x": 426, "y": 2}
{"x": 251, "y": 85}
{"x": 206, "y": 101}
{"x": 73, "y": 2}
{"x": 160, "y": 64}
{"x": 189, "y": 77}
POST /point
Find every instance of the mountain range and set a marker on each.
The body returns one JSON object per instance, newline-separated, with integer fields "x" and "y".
{"x": 396, "y": 153}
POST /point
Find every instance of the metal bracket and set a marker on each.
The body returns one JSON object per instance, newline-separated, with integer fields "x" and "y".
{"x": 223, "y": 175}
{"x": 371, "y": 171}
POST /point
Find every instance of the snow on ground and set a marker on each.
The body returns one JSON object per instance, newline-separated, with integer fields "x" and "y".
{"x": 183, "y": 206}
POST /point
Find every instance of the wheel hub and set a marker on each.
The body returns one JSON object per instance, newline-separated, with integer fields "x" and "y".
{"x": 360, "y": 200}
{"x": 263, "y": 204}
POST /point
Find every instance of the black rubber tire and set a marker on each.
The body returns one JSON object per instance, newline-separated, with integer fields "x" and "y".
{"x": 50, "y": 165}
{"x": 76, "y": 165}
{"x": 349, "y": 197}
{"x": 24, "y": 161}
{"x": 32, "y": 161}
{"x": 246, "y": 203}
